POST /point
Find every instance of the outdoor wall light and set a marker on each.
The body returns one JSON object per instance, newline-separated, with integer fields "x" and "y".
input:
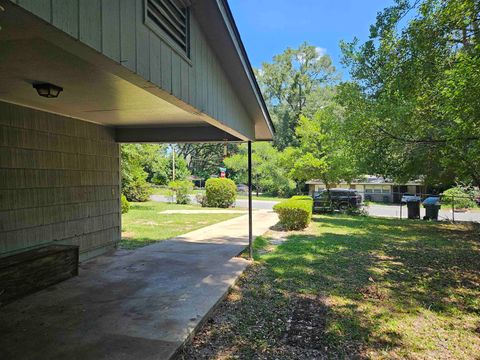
{"x": 48, "y": 90}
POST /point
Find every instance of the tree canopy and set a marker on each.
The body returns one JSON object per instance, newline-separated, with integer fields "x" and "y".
{"x": 146, "y": 164}
{"x": 322, "y": 152}
{"x": 292, "y": 85}
{"x": 412, "y": 108}
{"x": 268, "y": 174}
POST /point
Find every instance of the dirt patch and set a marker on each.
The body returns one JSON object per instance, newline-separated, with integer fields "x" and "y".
{"x": 257, "y": 322}
{"x": 146, "y": 222}
{"x": 373, "y": 292}
{"x": 128, "y": 235}
{"x": 307, "y": 325}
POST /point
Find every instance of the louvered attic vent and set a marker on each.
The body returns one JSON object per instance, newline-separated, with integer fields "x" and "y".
{"x": 170, "y": 20}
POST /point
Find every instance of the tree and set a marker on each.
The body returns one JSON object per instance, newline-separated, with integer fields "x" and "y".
{"x": 289, "y": 84}
{"x": 323, "y": 153}
{"x": 144, "y": 164}
{"x": 413, "y": 108}
{"x": 163, "y": 172}
{"x": 134, "y": 177}
{"x": 203, "y": 160}
{"x": 268, "y": 176}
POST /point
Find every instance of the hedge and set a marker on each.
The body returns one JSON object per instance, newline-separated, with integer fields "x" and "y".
{"x": 219, "y": 192}
{"x": 302, "y": 197}
{"x": 294, "y": 213}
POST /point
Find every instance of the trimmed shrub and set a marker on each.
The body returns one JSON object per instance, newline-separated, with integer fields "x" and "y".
{"x": 302, "y": 197}
{"x": 219, "y": 192}
{"x": 294, "y": 214}
{"x": 181, "y": 189}
{"x": 125, "y": 204}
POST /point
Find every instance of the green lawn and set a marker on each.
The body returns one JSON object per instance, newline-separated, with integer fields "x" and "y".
{"x": 354, "y": 287}
{"x": 144, "y": 224}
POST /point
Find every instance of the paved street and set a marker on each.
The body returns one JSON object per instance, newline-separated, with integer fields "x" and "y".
{"x": 256, "y": 204}
{"x": 444, "y": 214}
{"x": 374, "y": 209}
{"x": 241, "y": 203}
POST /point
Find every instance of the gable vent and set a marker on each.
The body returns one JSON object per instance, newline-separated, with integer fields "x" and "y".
{"x": 170, "y": 20}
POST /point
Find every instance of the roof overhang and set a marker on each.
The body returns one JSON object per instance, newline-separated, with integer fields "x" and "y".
{"x": 218, "y": 24}
{"x": 100, "y": 90}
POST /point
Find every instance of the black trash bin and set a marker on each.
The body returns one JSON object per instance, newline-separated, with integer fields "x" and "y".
{"x": 432, "y": 206}
{"x": 413, "y": 209}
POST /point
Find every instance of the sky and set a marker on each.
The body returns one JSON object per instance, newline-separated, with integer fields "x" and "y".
{"x": 268, "y": 27}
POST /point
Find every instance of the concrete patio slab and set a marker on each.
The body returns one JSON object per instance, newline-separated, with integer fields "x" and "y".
{"x": 140, "y": 304}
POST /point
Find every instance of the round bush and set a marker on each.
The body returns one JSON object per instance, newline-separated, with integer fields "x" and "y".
{"x": 137, "y": 190}
{"x": 459, "y": 197}
{"x": 125, "y": 204}
{"x": 220, "y": 193}
{"x": 294, "y": 214}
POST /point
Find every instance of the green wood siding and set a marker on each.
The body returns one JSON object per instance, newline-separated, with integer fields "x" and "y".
{"x": 59, "y": 182}
{"x": 116, "y": 29}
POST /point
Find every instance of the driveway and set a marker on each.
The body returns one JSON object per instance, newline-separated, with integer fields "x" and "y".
{"x": 444, "y": 214}
{"x": 140, "y": 304}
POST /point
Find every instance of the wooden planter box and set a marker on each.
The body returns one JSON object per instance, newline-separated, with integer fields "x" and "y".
{"x": 33, "y": 270}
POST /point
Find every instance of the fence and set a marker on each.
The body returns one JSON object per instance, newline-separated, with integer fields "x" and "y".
{"x": 393, "y": 204}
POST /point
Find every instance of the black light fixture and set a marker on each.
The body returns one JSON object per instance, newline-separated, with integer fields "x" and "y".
{"x": 47, "y": 90}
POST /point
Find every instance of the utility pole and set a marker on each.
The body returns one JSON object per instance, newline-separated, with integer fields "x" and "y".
{"x": 173, "y": 162}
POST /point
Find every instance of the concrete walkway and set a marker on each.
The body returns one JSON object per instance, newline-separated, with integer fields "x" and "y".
{"x": 140, "y": 304}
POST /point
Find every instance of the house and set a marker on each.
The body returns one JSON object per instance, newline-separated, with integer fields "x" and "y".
{"x": 77, "y": 78}
{"x": 374, "y": 188}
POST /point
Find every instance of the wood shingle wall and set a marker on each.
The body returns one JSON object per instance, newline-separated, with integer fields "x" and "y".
{"x": 59, "y": 182}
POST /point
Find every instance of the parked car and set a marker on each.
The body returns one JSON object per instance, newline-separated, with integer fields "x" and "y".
{"x": 410, "y": 197}
{"x": 339, "y": 199}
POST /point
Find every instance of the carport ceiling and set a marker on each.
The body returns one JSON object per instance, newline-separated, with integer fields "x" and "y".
{"x": 89, "y": 92}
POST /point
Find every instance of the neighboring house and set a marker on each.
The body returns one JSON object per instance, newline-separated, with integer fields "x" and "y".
{"x": 124, "y": 71}
{"x": 374, "y": 188}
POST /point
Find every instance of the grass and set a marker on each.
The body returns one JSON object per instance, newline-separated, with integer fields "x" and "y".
{"x": 354, "y": 287}
{"x": 144, "y": 225}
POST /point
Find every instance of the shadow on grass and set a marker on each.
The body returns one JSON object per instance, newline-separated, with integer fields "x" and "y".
{"x": 404, "y": 265}
{"x": 349, "y": 291}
